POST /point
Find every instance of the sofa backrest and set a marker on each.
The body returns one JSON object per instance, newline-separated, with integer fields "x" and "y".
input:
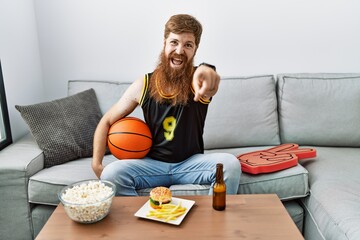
{"x": 319, "y": 109}
{"x": 242, "y": 113}
{"x": 107, "y": 93}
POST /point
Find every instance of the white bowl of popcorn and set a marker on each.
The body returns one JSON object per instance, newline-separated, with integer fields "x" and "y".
{"x": 87, "y": 201}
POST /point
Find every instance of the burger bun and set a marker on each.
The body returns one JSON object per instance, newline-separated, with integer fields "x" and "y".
{"x": 160, "y": 196}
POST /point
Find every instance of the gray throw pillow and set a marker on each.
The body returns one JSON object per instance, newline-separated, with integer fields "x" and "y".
{"x": 64, "y": 128}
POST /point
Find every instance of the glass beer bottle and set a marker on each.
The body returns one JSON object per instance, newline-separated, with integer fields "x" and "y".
{"x": 219, "y": 189}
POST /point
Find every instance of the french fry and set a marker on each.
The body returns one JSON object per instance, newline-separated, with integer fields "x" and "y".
{"x": 167, "y": 212}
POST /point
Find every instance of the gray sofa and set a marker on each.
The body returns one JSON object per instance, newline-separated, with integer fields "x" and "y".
{"x": 322, "y": 195}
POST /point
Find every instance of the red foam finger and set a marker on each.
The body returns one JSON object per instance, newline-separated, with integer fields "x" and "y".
{"x": 274, "y": 159}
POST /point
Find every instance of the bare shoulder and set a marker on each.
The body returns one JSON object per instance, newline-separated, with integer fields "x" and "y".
{"x": 139, "y": 82}
{"x": 135, "y": 90}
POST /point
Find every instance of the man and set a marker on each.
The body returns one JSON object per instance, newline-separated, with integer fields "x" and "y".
{"x": 174, "y": 99}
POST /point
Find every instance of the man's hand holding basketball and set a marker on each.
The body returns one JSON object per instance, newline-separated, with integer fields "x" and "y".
{"x": 205, "y": 82}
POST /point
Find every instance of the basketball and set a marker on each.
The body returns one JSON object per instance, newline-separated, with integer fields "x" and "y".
{"x": 129, "y": 138}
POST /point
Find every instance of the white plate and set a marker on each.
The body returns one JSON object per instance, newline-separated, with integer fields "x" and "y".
{"x": 145, "y": 209}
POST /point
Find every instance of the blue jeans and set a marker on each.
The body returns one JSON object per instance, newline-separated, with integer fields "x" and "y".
{"x": 130, "y": 175}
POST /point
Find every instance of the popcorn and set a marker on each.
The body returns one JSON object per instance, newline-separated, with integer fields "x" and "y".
{"x": 85, "y": 202}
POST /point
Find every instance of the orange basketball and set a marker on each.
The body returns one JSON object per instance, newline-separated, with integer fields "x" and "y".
{"x": 129, "y": 138}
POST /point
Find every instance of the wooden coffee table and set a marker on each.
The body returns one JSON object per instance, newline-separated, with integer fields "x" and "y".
{"x": 246, "y": 217}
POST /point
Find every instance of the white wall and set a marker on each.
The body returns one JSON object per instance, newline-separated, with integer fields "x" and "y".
{"x": 20, "y": 59}
{"x": 121, "y": 40}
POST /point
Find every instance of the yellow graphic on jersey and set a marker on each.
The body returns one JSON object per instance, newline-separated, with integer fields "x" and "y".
{"x": 169, "y": 125}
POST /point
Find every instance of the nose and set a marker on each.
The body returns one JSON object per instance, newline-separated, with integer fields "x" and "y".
{"x": 179, "y": 49}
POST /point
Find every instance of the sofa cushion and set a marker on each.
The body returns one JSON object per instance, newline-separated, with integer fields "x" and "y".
{"x": 333, "y": 203}
{"x": 181, "y": 190}
{"x": 288, "y": 184}
{"x": 107, "y": 93}
{"x": 45, "y": 185}
{"x": 243, "y": 113}
{"x": 319, "y": 109}
{"x": 64, "y": 128}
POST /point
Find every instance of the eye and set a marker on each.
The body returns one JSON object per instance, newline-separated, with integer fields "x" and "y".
{"x": 173, "y": 43}
{"x": 189, "y": 45}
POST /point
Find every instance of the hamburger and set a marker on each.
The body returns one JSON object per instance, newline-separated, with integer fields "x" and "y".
{"x": 159, "y": 196}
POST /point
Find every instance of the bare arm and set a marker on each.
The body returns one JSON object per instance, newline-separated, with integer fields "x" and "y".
{"x": 122, "y": 108}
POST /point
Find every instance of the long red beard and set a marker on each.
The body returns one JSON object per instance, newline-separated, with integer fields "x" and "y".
{"x": 168, "y": 84}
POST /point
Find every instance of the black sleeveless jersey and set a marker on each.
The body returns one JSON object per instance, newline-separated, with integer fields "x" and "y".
{"x": 177, "y": 131}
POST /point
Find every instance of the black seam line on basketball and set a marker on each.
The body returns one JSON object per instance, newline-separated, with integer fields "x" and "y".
{"x": 129, "y": 150}
{"x": 130, "y": 133}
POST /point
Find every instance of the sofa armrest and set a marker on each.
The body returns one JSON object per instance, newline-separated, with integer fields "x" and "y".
{"x": 18, "y": 162}
{"x": 22, "y": 156}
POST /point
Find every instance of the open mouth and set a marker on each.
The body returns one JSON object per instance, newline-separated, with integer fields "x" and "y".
{"x": 177, "y": 62}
